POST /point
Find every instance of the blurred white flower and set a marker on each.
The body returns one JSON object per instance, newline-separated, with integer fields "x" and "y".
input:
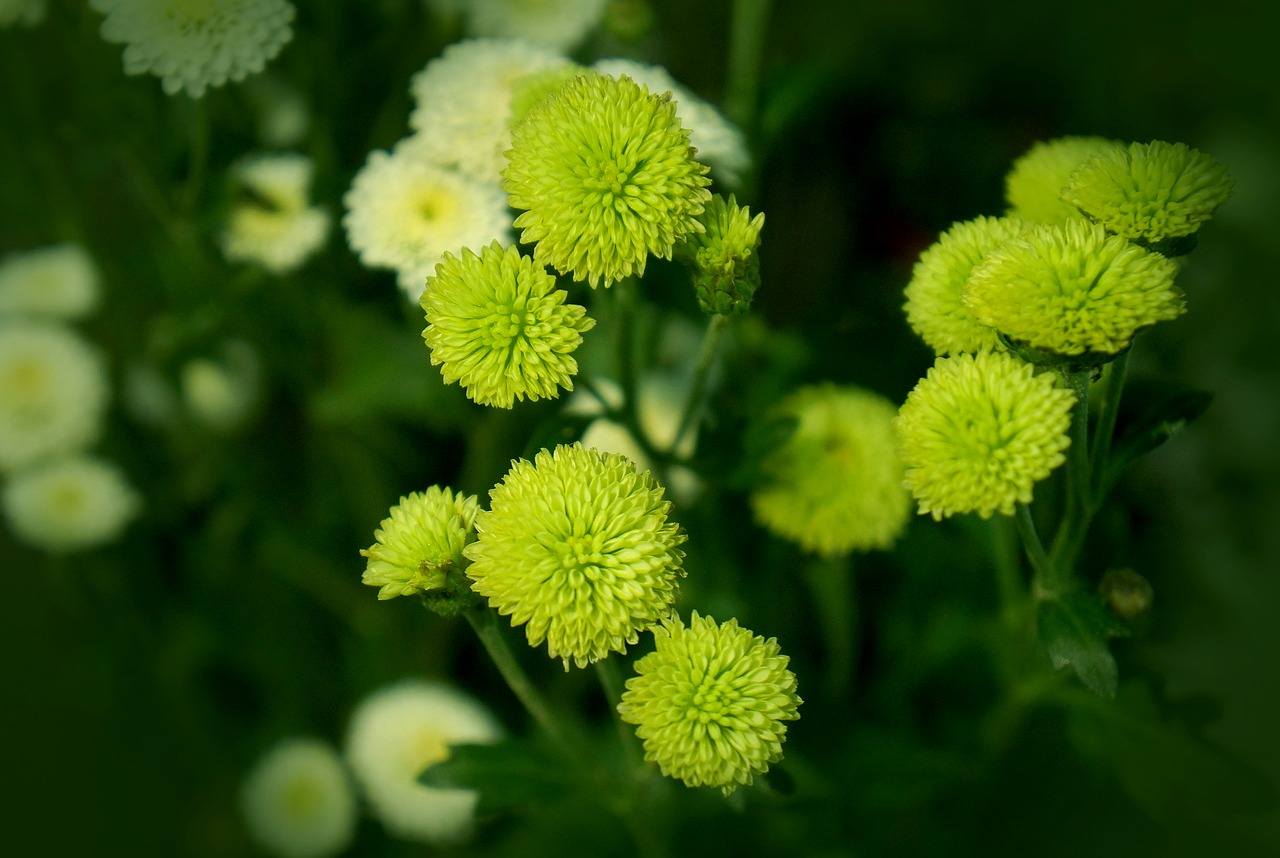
{"x": 69, "y": 504}
{"x": 220, "y": 393}
{"x": 297, "y": 801}
{"x": 273, "y": 225}
{"x": 558, "y": 24}
{"x": 398, "y": 732}
{"x": 60, "y": 280}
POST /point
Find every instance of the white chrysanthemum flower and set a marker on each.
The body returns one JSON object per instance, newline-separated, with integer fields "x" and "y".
{"x": 53, "y": 389}
{"x": 274, "y": 226}
{"x": 60, "y": 280}
{"x": 24, "y": 13}
{"x": 719, "y": 143}
{"x": 195, "y": 44}
{"x": 297, "y": 801}
{"x": 558, "y": 24}
{"x": 220, "y": 393}
{"x": 69, "y": 504}
{"x": 464, "y": 103}
{"x": 405, "y": 213}
{"x": 396, "y": 734}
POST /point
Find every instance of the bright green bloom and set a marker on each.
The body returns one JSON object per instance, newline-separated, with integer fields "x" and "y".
{"x": 1150, "y": 192}
{"x": 724, "y": 258}
{"x": 577, "y": 546}
{"x": 497, "y": 325}
{"x": 934, "y": 309}
{"x": 1033, "y": 187}
{"x": 1073, "y": 289}
{"x": 419, "y": 546}
{"x": 531, "y": 88}
{"x": 605, "y": 175}
{"x": 835, "y": 485}
{"x": 979, "y": 431}
{"x": 710, "y": 702}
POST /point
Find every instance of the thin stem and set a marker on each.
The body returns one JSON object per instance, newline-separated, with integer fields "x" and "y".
{"x": 1079, "y": 508}
{"x": 835, "y": 604}
{"x": 746, "y": 43}
{"x": 1009, "y": 582}
{"x": 1031, "y": 543}
{"x": 197, "y": 153}
{"x": 701, "y": 375}
{"x": 1107, "y": 420}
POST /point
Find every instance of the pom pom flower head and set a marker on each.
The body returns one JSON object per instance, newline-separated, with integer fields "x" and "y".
{"x": 711, "y": 702}
{"x": 576, "y": 546}
{"x": 724, "y": 256}
{"x": 1033, "y": 187}
{"x": 398, "y": 732}
{"x": 419, "y": 546}
{"x": 497, "y": 324}
{"x": 934, "y": 307}
{"x": 195, "y": 44}
{"x": 69, "y": 504}
{"x": 979, "y": 431}
{"x": 1150, "y": 193}
{"x": 605, "y": 176}
{"x": 1073, "y": 289}
{"x": 59, "y": 281}
{"x": 835, "y": 485}
{"x": 297, "y": 801}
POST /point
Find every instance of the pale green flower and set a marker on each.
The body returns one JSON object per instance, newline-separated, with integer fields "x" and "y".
{"x": 1150, "y": 192}
{"x": 419, "y": 546}
{"x": 933, "y": 306}
{"x": 69, "y": 504}
{"x": 605, "y": 176}
{"x": 297, "y": 801}
{"x": 711, "y": 702}
{"x": 1033, "y": 187}
{"x": 1073, "y": 289}
{"x": 979, "y": 431}
{"x": 497, "y": 325}
{"x": 725, "y": 256}
{"x": 273, "y": 222}
{"x": 59, "y": 281}
{"x": 577, "y": 547}
{"x": 835, "y": 484}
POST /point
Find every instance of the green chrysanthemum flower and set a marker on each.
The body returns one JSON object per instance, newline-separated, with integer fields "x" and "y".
{"x": 605, "y": 175}
{"x": 419, "y": 547}
{"x": 1073, "y": 289}
{"x": 1150, "y": 192}
{"x": 535, "y": 86}
{"x": 497, "y": 325}
{"x": 711, "y": 702}
{"x": 577, "y": 547}
{"x": 724, "y": 258}
{"x": 1033, "y": 187}
{"x": 933, "y": 306}
{"x": 979, "y": 431}
{"x": 835, "y": 485}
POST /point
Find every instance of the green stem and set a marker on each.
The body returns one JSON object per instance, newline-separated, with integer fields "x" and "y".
{"x": 1040, "y": 562}
{"x": 836, "y": 606}
{"x": 716, "y": 327}
{"x": 746, "y": 44}
{"x": 1009, "y": 582}
{"x": 1107, "y": 421}
{"x": 1079, "y": 506}
{"x": 197, "y": 153}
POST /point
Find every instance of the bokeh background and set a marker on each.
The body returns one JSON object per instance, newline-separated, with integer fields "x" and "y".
{"x": 141, "y": 680}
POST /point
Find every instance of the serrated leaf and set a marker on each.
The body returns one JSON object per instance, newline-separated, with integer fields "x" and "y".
{"x": 504, "y": 774}
{"x": 1074, "y": 631}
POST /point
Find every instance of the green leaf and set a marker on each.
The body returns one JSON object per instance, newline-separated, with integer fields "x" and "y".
{"x": 1165, "y": 415}
{"x": 505, "y": 774}
{"x": 1074, "y": 631}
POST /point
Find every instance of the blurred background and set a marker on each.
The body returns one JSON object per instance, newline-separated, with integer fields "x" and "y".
{"x": 141, "y": 680}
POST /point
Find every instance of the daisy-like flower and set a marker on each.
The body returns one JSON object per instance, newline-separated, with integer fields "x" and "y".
{"x": 979, "y": 431}
{"x": 497, "y": 325}
{"x": 835, "y": 485}
{"x": 24, "y": 13}
{"x": 58, "y": 281}
{"x": 397, "y": 733}
{"x": 464, "y": 99}
{"x": 419, "y": 546}
{"x": 576, "y": 546}
{"x": 53, "y": 389}
{"x": 724, "y": 258}
{"x": 273, "y": 223}
{"x": 69, "y": 504}
{"x": 718, "y": 142}
{"x": 933, "y": 305}
{"x": 297, "y": 801}
{"x": 605, "y": 176}
{"x": 405, "y": 213}
{"x": 195, "y": 44}
{"x": 1149, "y": 192}
{"x": 558, "y": 24}
{"x": 1073, "y": 289}
{"x": 711, "y": 702}
{"x": 1033, "y": 187}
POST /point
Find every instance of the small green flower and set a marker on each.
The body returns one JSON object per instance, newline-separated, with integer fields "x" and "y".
{"x": 605, "y": 175}
{"x": 933, "y": 306}
{"x": 577, "y": 547}
{"x": 979, "y": 431}
{"x": 1150, "y": 192}
{"x": 835, "y": 485}
{"x": 710, "y": 702}
{"x": 419, "y": 546}
{"x": 724, "y": 256}
{"x": 1073, "y": 289}
{"x": 497, "y": 325}
{"x": 1033, "y": 187}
